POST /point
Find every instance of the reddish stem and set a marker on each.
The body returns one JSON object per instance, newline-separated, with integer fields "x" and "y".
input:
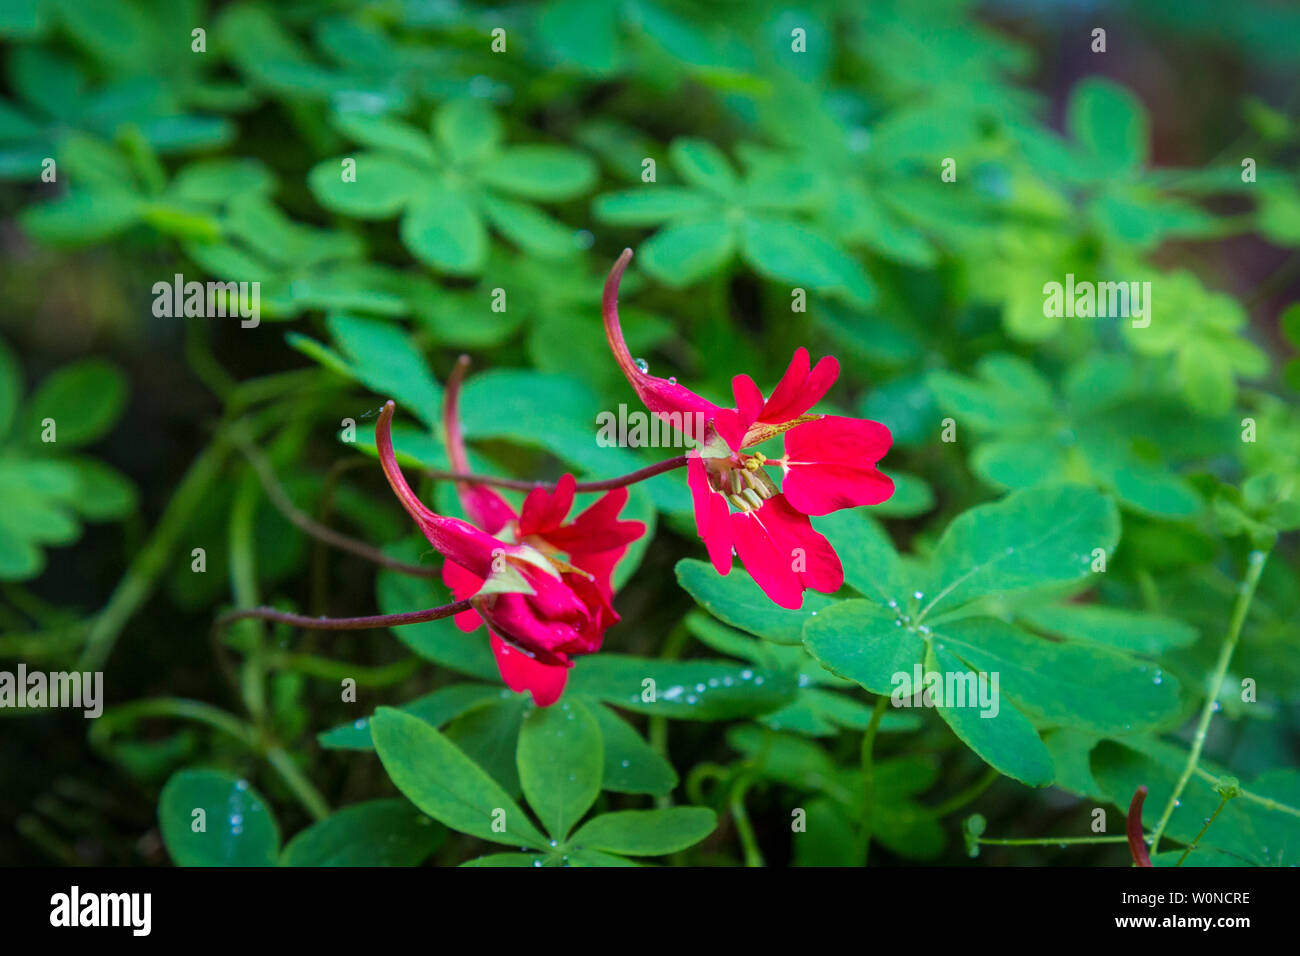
{"x": 1136, "y": 844}
{"x": 371, "y": 622}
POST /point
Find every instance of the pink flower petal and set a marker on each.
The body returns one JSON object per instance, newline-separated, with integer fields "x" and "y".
{"x": 464, "y": 585}
{"x": 598, "y": 528}
{"x": 749, "y": 400}
{"x": 521, "y": 672}
{"x": 710, "y": 515}
{"x": 829, "y": 464}
{"x": 544, "y": 510}
{"x": 767, "y": 562}
{"x": 799, "y": 389}
{"x": 811, "y": 555}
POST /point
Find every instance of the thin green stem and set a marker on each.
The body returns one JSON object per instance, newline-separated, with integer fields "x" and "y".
{"x": 1266, "y": 802}
{"x": 313, "y": 665}
{"x": 869, "y": 774}
{"x": 297, "y": 781}
{"x": 969, "y": 795}
{"x": 138, "y": 583}
{"x": 182, "y": 709}
{"x": 243, "y": 581}
{"x": 744, "y": 830}
{"x": 1223, "y": 802}
{"x": 1255, "y": 567}
{"x": 226, "y": 723}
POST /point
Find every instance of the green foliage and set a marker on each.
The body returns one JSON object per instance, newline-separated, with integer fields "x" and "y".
{"x": 1094, "y": 520}
{"x": 48, "y": 492}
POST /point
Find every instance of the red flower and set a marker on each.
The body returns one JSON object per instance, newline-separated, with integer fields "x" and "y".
{"x": 540, "y": 609}
{"x": 829, "y": 464}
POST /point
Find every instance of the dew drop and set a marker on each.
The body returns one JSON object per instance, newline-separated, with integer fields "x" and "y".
{"x": 642, "y": 364}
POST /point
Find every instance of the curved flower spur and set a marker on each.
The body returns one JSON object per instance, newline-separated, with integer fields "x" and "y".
{"x": 829, "y": 463}
{"x": 541, "y": 586}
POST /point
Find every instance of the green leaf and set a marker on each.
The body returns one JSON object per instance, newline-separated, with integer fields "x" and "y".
{"x": 581, "y": 33}
{"x": 436, "y": 709}
{"x": 103, "y": 493}
{"x": 539, "y": 172}
{"x": 685, "y": 690}
{"x": 682, "y": 254}
{"x": 488, "y": 733}
{"x": 376, "y": 833}
{"x": 437, "y": 777}
{"x": 507, "y": 859}
{"x": 387, "y": 134}
{"x": 85, "y": 399}
{"x": 646, "y": 832}
{"x": 1124, "y": 630}
{"x": 385, "y": 360}
{"x": 380, "y": 186}
{"x": 738, "y": 601}
{"x": 1111, "y": 124}
{"x": 1084, "y": 686}
{"x": 703, "y": 165}
{"x": 238, "y": 828}
{"x": 561, "y": 757}
{"x": 217, "y": 181}
{"x": 864, "y": 642}
{"x": 786, "y": 251}
{"x": 631, "y": 764}
{"x": 530, "y": 229}
{"x": 443, "y": 229}
{"x": 651, "y": 204}
{"x": 1007, "y": 742}
{"x": 1033, "y": 537}
{"x": 82, "y": 217}
{"x": 468, "y": 130}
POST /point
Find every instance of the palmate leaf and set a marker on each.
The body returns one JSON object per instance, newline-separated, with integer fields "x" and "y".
{"x": 1034, "y": 538}
{"x": 48, "y": 493}
{"x": 560, "y": 758}
{"x": 448, "y": 189}
{"x": 716, "y": 216}
{"x": 1035, "y": 436}
{"x": 630, "y": 764}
